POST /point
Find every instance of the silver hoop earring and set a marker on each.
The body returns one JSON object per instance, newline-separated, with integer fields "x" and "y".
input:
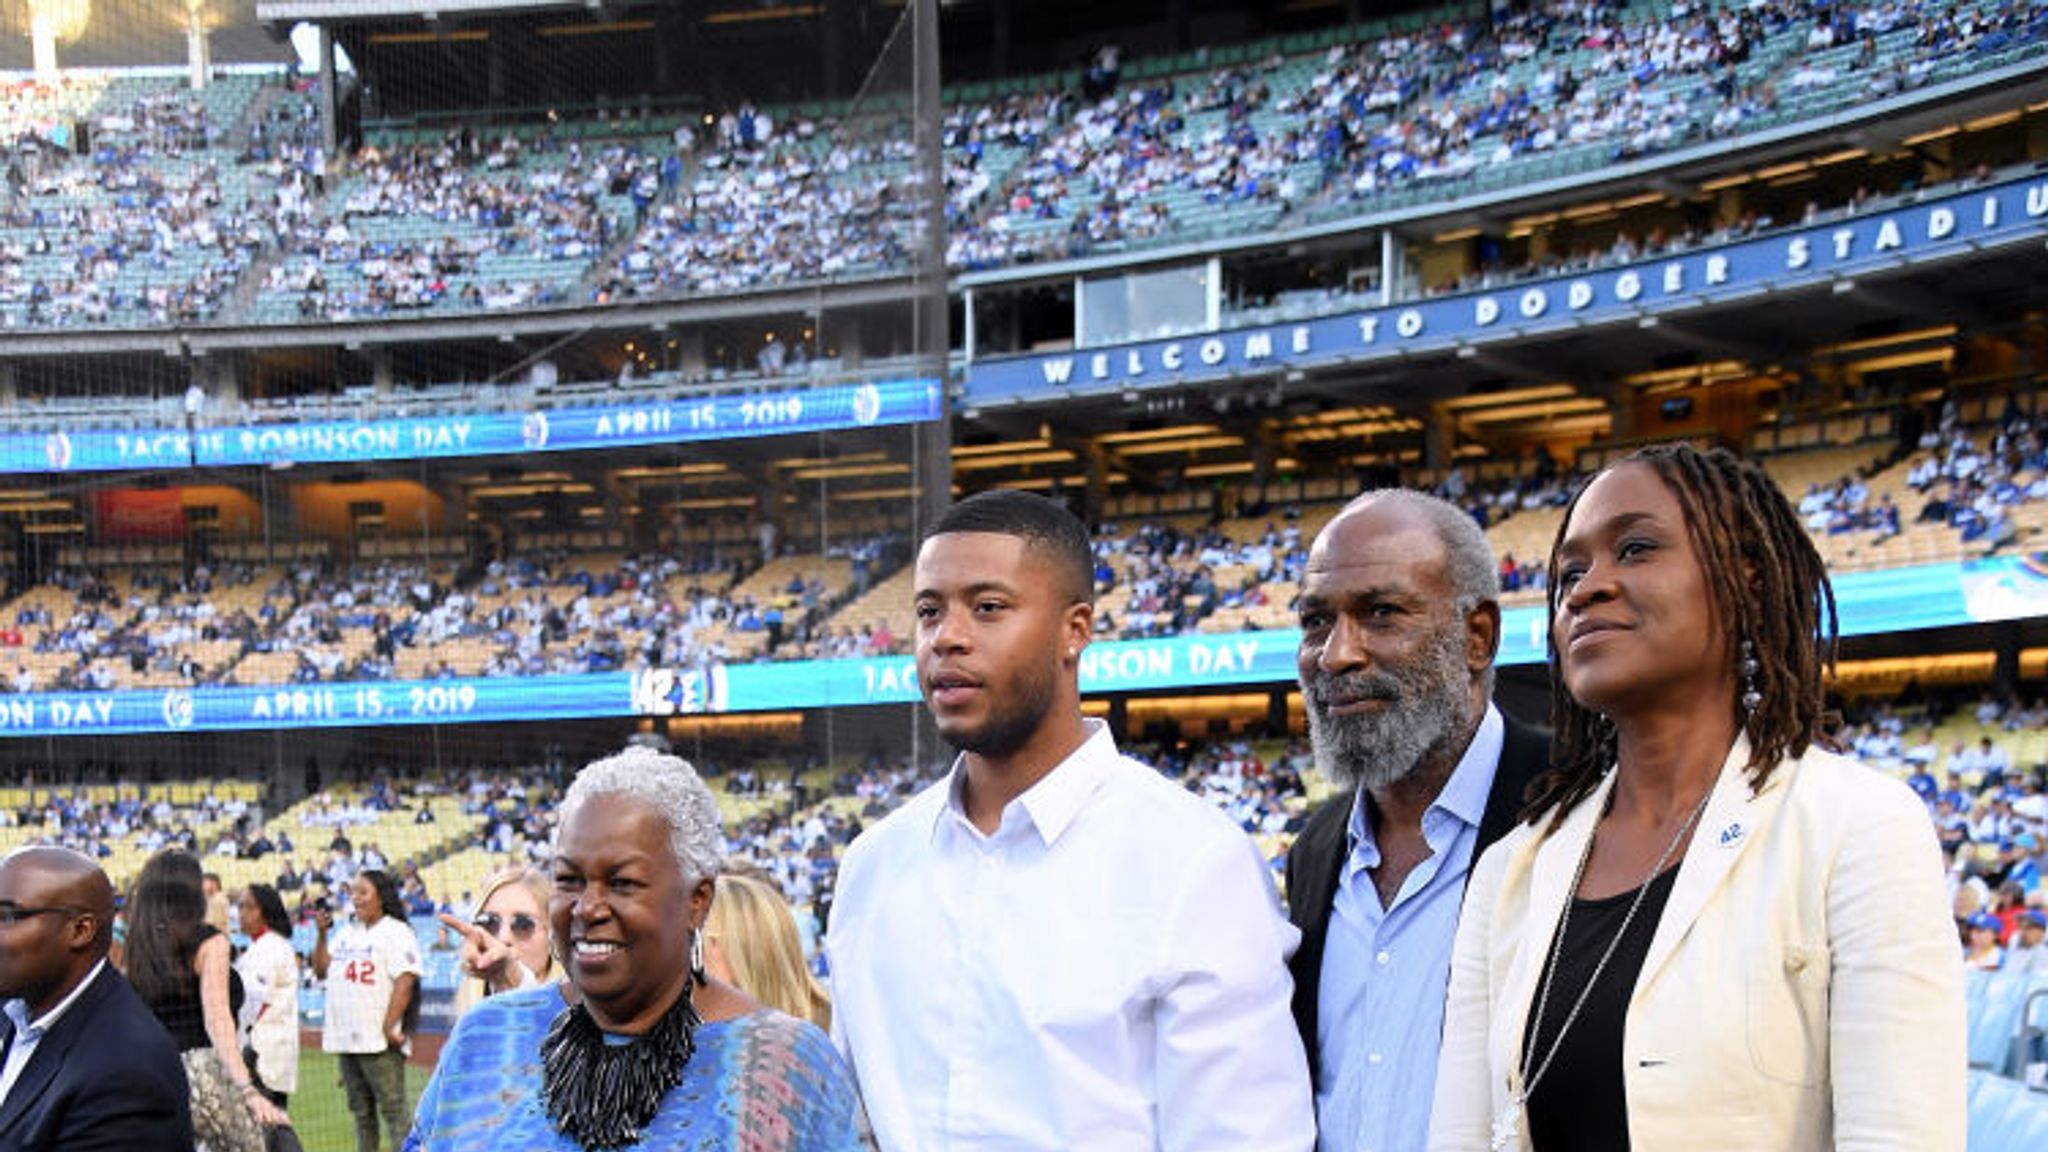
{"x": 697, "y": 956}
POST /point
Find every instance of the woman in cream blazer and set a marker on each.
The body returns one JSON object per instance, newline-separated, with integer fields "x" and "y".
{"x": 1801, "y": 988}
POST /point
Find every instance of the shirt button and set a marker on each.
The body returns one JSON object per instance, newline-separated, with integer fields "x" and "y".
{"x": 1374, "y": 1058}
{"x": 1384, "y": 958}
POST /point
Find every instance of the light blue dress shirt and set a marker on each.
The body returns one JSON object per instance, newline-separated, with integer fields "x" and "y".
{"x": 1380, "y": 1013}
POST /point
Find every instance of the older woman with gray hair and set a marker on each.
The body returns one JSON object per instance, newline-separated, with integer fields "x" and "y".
{"x": 636, "y": 1048}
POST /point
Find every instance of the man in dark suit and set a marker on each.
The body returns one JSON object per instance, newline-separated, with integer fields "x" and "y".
{"x": 86, "y": 1067}
{"x": 1400, "y": 620}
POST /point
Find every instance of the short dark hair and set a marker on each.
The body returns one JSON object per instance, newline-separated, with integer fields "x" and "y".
{"x": 1042, "y": 524}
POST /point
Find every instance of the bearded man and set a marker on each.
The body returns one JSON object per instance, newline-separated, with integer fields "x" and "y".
{"x": 1400, "y": 623}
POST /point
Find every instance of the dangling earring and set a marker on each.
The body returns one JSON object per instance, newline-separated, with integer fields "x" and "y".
{"x": 1750, "y": 696}
{"x": 697, "y": 957}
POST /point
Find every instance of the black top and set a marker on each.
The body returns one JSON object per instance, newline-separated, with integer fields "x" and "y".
{"x": 1580, "y": 1102}
{"x": 182, "y": 1015}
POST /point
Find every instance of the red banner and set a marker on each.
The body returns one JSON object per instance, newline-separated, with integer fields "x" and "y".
{"x": 138, "y": 514}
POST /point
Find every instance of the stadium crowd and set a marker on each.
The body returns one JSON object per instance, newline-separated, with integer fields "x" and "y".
{"x": 1428, "y": 106}
{"x": 168, "y": 209}
{"x": 446, "y": 208}
{"x": 1990, "y": 809}
{"x": 563, "y": 613}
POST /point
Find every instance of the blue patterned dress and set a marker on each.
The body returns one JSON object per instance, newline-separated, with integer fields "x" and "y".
{"x": 763, "y": 1082}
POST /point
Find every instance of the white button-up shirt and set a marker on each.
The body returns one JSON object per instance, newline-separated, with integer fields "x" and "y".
{"x": 1107, "y": 971}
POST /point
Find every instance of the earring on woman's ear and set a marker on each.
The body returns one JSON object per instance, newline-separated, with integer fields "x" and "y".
{"x": 1749, "y": 667}
{"x": 697, "y": 957}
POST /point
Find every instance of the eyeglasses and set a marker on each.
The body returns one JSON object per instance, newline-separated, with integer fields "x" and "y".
{"x": 522, "y": 924}
{"x": 15, "y": 913}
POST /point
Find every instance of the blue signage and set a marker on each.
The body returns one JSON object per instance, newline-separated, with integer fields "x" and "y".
{"x": 1982, "y": 217}
{"x": 663, "y": 421}
{"x": 1894, "y": 600}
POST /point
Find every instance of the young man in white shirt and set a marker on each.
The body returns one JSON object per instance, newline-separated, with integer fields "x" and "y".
{"x": 1054, "y": 947}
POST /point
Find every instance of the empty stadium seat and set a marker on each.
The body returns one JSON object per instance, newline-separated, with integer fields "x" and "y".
{"x": 1995, "y": 1001}
{"x": 2006, "y": 1116}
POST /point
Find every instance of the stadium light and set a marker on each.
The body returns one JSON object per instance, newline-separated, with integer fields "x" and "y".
{"x": 965, "y": 451}
{"x": 1181, "y": 430}
{"x": 1013, "y": 460}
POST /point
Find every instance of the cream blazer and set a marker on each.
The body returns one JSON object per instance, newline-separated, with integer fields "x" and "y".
{"x": 1803, "y": 990}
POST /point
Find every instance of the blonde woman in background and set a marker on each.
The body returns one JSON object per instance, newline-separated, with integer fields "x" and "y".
{"x": 506, "y": 945}
{"x": 750, "y": 942}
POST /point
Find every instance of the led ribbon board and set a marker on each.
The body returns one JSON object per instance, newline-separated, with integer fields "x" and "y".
{"x": 1896, "y": 600}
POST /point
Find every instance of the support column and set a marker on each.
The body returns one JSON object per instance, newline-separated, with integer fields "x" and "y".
{"x": 330, "y": 104}
{"x": 688, "y": 355}
{"x": 216, "y": 372}
{"x": 42, "y": 36}
{"x": 2005, "y": 669}
{"x": 768, "y": 513}
{"x": 1439, "y": 440}
{"x": 280, "y": 522}
{"x": 380, "y": 371}
{"x": 1000, "y": 37}
{"x": 932, "y": 441}
{"x": 1095, "y": 498}
{"x": 198, "y": 52}
{"x": 666, "y": 31}
{"x": 1621, "y": 409}
{"x": 494, "y": 67}
{"x": 1390, "y": 265}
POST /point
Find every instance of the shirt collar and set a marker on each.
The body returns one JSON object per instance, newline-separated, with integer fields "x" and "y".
{"x": 26, "y": 1029}
{"x": 1464, "y": 794}
{"x": 1051, "y": 804}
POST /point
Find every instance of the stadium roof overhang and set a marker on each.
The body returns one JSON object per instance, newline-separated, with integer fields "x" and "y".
{"x": 293, "y": 11}
{"x": 850, "y": 293}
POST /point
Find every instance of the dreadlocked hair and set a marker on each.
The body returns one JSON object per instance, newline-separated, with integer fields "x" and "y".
{"x": 1767, "y": 583}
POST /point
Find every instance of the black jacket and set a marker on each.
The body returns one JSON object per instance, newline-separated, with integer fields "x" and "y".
{"x": 1316, "y": 862}
{"x": 105, "y": 1078}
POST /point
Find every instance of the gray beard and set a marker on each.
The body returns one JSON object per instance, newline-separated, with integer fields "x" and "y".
{"x": 1430, "y": 706}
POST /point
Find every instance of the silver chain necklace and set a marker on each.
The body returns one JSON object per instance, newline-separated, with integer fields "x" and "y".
{"x": 1504, "y": 1128}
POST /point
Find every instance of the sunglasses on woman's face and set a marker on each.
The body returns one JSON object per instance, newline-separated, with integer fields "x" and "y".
{"x": 522, "y": 924}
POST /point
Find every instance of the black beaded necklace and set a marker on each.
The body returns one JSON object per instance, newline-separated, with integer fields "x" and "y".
{"x": 603, "y": 1095}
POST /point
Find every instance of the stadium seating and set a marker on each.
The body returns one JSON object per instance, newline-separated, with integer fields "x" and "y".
{"x": 1995, "y": 1002}
{"x": 130, "y": 618}
{"x": 2006, "y": 1115}
{"x": 1226, "y": 140}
